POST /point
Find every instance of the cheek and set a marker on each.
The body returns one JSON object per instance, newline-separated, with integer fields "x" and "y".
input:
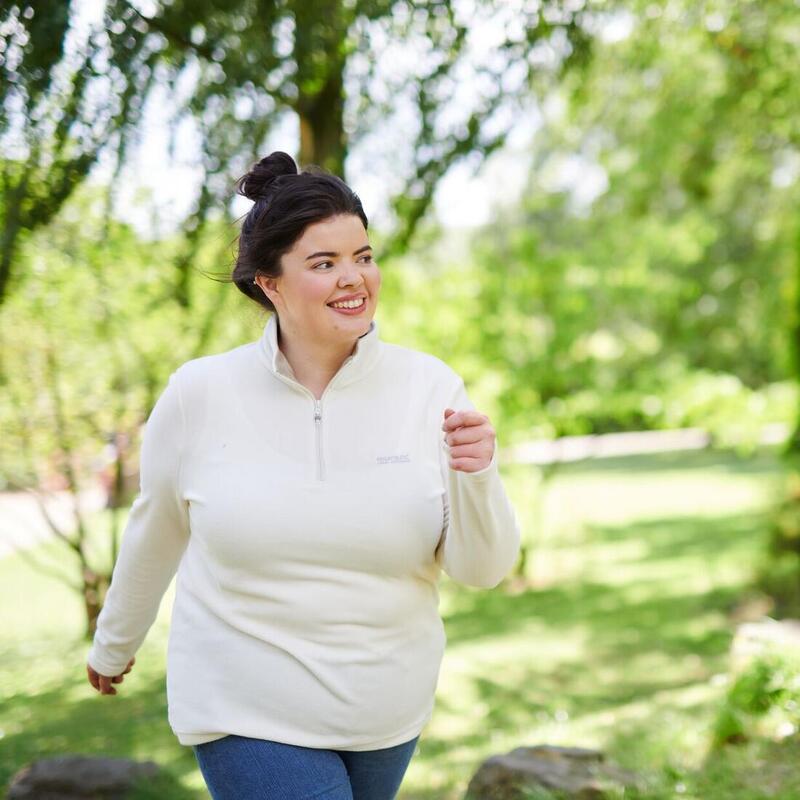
{"x": 316, "y": 292}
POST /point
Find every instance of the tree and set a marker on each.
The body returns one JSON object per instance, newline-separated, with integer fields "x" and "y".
{"x": 57, "y": 113}
{"x": 691, "y": 115}
{"x": 667, "y": 294}
{"x": 235, "y": 69}
{"x": 86, "y": 351}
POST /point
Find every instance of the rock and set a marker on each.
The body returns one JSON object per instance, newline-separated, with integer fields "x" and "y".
{"x": 574, "y": 771}
{"x": 75, "y": 777}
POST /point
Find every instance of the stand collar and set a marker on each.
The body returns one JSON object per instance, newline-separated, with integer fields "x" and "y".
{"x": 355, "y": 366}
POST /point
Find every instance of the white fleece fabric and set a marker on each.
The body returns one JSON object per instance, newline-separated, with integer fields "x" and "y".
{"x": 308, "y": 537}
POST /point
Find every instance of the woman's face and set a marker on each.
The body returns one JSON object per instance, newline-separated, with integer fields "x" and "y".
{"x": 331, "y": 260}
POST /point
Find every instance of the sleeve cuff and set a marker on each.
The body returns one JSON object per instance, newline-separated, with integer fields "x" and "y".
{"x": 102, "y": 667}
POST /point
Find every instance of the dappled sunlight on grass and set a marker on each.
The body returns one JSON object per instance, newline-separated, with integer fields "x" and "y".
{"x": 631, "y": 633}
{"x": 623, "y": 649}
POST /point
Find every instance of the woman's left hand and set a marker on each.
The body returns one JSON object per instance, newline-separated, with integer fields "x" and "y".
{"x": 470, "y": 438}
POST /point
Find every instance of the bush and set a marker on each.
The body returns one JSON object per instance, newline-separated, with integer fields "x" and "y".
{"x": 763, "y": 700}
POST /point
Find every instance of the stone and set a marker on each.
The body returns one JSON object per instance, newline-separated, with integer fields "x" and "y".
{"x": 574, "y": 772}
{"x": 76, "y": 777}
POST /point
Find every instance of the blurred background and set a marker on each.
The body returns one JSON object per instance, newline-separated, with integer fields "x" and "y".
{"x": 590, "y": 209}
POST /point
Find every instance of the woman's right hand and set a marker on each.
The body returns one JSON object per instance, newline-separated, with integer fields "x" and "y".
{"x": 103, "y": 682}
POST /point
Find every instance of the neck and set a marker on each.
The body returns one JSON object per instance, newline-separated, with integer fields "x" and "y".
{"x": 313, "y": 363}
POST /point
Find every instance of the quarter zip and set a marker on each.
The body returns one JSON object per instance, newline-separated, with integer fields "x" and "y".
{"x": 318, "y": 426}
{"x": 317, "y": 413}
{"x": 295, "y": 384}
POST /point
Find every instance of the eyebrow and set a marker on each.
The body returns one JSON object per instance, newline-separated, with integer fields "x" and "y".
{"x": 331, "y": 253}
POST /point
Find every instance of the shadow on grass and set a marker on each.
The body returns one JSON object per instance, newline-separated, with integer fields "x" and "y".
{"x": 649, "y": 637}
{"x": 658, "y": 606}
{"x": 765, "y": 461}
{"x": 650, "y": 612}
{"x": 131, "y": 724}
{"x": 681, "y": 537}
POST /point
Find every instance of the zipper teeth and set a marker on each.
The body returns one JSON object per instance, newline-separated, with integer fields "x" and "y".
{"x": 318, "y": 425}
{"x": 317, "y": 417}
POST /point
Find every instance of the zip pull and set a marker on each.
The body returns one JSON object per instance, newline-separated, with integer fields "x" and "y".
{"x": 318, "y": 430}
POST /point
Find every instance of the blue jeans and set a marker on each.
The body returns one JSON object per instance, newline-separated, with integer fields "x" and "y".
{"x": 241, "y": 768}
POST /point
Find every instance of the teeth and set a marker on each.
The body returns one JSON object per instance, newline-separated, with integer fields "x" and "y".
{"x": 349, "y": 303}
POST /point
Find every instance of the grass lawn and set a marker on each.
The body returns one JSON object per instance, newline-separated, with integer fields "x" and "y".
{"x": 622, "y": 646}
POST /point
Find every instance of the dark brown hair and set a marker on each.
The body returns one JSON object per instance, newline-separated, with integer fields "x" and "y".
{"x": 286, "y": 202}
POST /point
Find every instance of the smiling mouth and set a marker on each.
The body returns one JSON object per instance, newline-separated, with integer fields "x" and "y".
{"x": 351, "y": 305}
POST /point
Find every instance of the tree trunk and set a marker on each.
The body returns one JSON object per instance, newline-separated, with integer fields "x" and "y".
{"x": 95, "y": 587}
{"x": 320, "y": 83}
{"x": 322, "y": 139}
{"x": 792, "y": 448}
{"x": 12, "y": 227}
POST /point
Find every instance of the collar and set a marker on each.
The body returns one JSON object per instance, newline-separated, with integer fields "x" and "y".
{"x": 356, "y": 365}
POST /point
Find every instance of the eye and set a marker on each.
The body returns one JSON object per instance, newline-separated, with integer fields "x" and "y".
{"x": 323, "y": 263}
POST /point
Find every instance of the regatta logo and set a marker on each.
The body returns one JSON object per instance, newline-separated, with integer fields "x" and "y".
{"x": 393, "y": 459}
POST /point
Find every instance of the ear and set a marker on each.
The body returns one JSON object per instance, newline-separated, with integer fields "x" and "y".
{"x": 270, "y": 286}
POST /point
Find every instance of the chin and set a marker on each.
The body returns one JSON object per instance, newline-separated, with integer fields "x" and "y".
{"x": 359, "y": 323}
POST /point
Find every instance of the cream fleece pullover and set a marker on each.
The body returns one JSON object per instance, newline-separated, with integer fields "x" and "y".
{"x": 308, "y": 537}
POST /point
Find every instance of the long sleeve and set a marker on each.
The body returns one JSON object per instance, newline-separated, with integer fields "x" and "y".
{"x": 481, "y": 536}
{"x": 155, "y": 537}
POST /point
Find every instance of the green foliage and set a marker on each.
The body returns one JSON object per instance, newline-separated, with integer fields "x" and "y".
{"x": 690, "y": 118}
{"x": 733, "y": 413}
{"x": 83, "y": 355}
{"x": 666, "y": 300}
{"x": 770, "y": 683}
{"x": 541, "y": 358}
{"x": 57, "y": 112}
{"x": 664, "y": 303}
{"x": 89, "y": 340}
{"x": 236, "y": 70}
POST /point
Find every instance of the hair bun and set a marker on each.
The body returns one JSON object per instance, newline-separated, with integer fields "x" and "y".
{"x": 259, "y": 181}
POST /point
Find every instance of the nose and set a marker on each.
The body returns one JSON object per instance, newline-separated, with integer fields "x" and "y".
{"x": 351, "y": 277}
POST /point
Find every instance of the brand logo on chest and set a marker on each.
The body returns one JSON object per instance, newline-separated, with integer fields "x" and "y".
{"x": 393, "y": 459}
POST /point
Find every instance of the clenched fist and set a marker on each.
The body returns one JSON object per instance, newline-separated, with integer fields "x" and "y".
{"x": 470, "y": 438}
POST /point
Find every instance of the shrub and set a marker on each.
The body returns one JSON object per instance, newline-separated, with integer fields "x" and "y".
{"x": 763, "y": 700}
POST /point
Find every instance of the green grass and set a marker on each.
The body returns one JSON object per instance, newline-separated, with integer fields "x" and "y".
{"x": 623, "y": 646}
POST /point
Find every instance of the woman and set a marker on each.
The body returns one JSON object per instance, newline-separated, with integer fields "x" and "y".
{"x": 308, "y": 488}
